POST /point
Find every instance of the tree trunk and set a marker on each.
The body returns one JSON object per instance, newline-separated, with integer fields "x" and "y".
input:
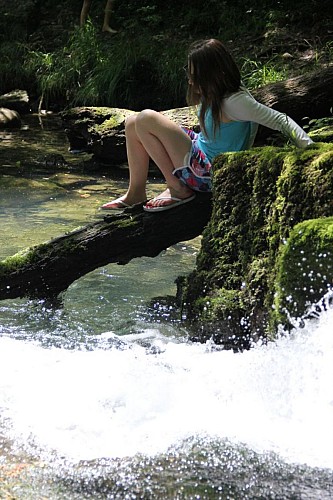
{"x": 48, "y": 269}
{"x": 308, "y": 95}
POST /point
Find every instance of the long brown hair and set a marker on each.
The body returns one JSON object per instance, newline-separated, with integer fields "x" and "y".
{"x": 214, "y": 75}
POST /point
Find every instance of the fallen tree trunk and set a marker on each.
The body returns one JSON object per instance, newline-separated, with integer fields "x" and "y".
{"x": 305, "y": 96}
{"x": 47, "y": 270}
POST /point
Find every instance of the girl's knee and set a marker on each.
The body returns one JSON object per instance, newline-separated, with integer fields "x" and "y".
{"x": 130, "y": 122}
{"x": 146, "y": 117}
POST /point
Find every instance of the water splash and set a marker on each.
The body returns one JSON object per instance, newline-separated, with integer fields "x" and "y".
{"x": 148, "y": 392}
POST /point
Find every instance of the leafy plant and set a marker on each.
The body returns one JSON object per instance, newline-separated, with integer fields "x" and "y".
{"x": 61, "y": 73}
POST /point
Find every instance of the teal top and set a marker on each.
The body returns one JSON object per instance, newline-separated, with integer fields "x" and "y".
{"x": 230, "y": 136}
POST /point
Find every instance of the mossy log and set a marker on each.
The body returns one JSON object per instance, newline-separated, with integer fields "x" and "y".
{"x": 307, "y": 96}
{"x": 47, "y": 270}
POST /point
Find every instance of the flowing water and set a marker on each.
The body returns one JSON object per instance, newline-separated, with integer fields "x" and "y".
{"x": 105, "y": 397}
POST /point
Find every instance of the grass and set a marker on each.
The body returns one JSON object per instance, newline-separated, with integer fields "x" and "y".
{"x": 256, "y": 74}
{"x": 90, "y": 70}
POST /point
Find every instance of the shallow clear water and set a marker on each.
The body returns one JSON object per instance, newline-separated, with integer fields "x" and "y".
{"x": 105, "y": 397}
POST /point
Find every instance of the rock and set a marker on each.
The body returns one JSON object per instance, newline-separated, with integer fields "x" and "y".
{"x": 9, "y": 118}
{"x": 53, "y": 160}
{"x": 17, "y": 100}
{"x": 101, "y": 130}
{"x": 305, "y": 268}
{"x": 261, "y": 198}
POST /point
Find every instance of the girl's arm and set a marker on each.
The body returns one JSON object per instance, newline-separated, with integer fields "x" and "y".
{"x": 242, "y": 106}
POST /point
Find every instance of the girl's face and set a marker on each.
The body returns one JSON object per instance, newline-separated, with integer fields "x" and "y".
{"x": 189, "y": 72}
{"x": 190, "y": 76}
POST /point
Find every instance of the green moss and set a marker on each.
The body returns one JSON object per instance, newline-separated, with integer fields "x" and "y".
{"x": 113, "y": 122}
{"x": 258, "y": 197}
{"x": 23, "y": 258}
{"x": 304, "y": 267}
{"x": 323, "y": 134}
{"x": 321, "y": 129}
{"x": 224, "y": 303}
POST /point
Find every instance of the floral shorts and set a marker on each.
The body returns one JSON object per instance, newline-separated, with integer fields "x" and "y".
{"x": 195, "y": 172}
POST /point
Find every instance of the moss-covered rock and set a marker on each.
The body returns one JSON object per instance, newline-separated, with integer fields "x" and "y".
{"x": 304, "y": 268}
{"x": 258, "y": 197}
{"x": 99, "y": 130}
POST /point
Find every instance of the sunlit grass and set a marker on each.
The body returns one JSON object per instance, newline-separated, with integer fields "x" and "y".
{"x": 256, "y": 74}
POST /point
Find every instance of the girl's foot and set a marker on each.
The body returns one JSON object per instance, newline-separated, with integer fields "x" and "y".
{"x": 117, "y": 204}
{"x": 107, "y": 29}
{"x": 120, "y": 203}
{"x": 169, "y": 199}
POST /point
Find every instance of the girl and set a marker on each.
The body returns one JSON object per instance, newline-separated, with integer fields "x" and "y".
{"x": 228, "y": 116}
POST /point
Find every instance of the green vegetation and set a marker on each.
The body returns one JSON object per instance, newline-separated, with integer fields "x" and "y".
{"x": 305, "y": 268}
{"x": 26, "y": 257}
{"x": 63, "y": 65}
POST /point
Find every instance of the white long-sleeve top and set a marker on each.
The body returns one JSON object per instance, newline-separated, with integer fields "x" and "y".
{"x": 242, "y": 106}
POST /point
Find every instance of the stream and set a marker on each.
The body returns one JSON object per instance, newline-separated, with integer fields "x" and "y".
{"x": 104, "y": 397}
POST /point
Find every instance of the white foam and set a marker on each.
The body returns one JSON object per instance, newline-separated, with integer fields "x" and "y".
{"x": 118, "y": 402}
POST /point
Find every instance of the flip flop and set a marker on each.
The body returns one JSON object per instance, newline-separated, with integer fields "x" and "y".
{"x": 161, "y": 208}
{"x": 120, "y": 205}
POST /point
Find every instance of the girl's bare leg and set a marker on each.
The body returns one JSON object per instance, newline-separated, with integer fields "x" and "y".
{"x": 150, "y": 134}
{"x": 107, "y": 16}
{"x": 138, "y": 162}
{"x": 167, "y": 145}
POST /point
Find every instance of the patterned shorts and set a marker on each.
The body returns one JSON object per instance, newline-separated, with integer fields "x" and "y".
{"x": 195, "y": 172}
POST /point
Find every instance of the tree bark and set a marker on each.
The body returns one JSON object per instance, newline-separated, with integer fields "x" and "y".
{"x": 48, "y": 269}
{"x": 308, "y": 95}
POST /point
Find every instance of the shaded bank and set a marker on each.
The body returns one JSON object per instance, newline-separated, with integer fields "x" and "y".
{"x": 43, "y": 50}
